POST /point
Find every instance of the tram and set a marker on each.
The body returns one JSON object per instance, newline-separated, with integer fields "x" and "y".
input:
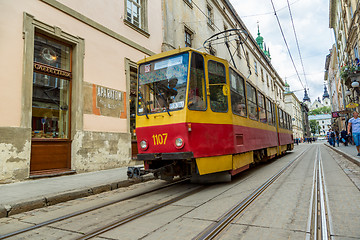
{"x": 198, "y": 116}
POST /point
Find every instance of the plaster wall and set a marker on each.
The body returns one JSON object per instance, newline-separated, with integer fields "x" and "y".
{"x": 98, "y": 142}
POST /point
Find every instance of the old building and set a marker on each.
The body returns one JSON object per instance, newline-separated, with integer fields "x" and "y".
{"x": 343, "y": 68}
{"x": 65, "y": 75}
{"x": 293, "y": 107}
{"x": 189, "y": 24}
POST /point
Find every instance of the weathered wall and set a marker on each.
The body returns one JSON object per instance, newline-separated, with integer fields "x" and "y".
{"x": 101, "y": 43}
{"x": 14, "y": 154}
{"x": 98, "y": 150}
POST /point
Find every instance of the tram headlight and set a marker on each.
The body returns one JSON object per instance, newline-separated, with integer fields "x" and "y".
{"x": 179, "y": 143}
{"x": 144, "y": 145}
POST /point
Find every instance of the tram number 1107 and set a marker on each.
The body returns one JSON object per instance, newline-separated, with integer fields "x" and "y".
{"x": 160, "y": 139}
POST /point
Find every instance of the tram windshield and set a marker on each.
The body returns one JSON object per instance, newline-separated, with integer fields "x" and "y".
{"x": 162, "y": 84}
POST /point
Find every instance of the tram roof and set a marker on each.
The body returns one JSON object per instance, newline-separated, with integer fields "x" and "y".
{"x": 172, "y": 52}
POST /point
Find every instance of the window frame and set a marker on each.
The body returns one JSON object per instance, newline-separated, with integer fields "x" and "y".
{"x": 214, "y": 84}
{"x": 143, "y": 17}
{"x": 260, "y": 108}
{"x": 204, "y": 82}
{"x": 234, "y": 91}
{"x": 248, "y": 100}
{"x": 188, "y": 34}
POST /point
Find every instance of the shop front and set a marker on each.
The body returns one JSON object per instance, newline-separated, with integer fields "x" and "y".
{"x": 51, "y": 107}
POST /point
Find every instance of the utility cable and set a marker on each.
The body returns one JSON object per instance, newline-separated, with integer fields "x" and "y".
{"x": 287, "y": 46}
{"x": 297, "y": 43}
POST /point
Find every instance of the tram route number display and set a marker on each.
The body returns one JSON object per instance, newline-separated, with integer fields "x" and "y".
{"x": 160, "y": 139}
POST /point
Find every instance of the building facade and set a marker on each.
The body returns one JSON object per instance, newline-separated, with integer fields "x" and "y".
{"x": 67, "y": 92}
{"x": 189, "y": 24}
{"x": 293, "y": 107}
{"x": 344, "y": 69}
{"x": 324, "y": 122}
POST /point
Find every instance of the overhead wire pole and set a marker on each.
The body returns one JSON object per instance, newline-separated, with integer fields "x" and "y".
{"x": 287, "y": 46}
{"x": 297, "y": 43}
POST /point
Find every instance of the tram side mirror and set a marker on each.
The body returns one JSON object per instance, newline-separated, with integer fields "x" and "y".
{"x": 225, "y": 90}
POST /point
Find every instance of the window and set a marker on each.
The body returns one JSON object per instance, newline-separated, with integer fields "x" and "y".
{"x": 51, "y": 89}
{"x": 252, "y": 102}
{"x": 136, "y": 13}
{"x": 262, "y": 109}
{"x": 237, "y": 87}
{"x": 188, "y": 35}
{"x": 217, "y": 84}
{"x": 197, "y": 94}
{"x": 255, "y": 67}
{"x": 262, "y": 75}
{"x": 281, "y": 118}
{"x": 269, "y": 108}
{"x": 210, "y": 16}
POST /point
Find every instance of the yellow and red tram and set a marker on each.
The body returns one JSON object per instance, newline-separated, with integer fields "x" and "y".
{"x": 197, "y": 115}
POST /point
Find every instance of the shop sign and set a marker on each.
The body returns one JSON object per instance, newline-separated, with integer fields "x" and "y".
{"x": 46, "y": 69}
{"x": 100, "y": 100}
{"x": 352, "y": 105}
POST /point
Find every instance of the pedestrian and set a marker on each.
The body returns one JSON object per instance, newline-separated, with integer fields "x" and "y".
{"x": 332, "y": 138}
{"x": 337, "y": 137}
{"x": 354, "y": 129}
{"x": 344, "y": 137}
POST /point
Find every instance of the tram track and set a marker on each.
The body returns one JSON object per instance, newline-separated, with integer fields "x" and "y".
{"x": 319, "y": 220}
{"x": 87, "y": 210}
{"x": 213, "y": 231}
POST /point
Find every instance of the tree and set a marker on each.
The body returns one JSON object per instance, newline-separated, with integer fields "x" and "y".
{"x": 314, "y": 126}
{"x": 322, "y": 110}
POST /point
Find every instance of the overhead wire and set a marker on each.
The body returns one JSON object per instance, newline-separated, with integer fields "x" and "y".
{"x": 297, "y": 43}
{"x": 287, "y": 46}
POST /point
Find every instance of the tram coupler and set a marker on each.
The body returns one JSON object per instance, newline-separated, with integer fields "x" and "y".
{"x": 136, "y": 172}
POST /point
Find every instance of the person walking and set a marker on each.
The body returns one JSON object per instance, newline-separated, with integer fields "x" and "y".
{"x": 337, "y": 137}
{"x": 354, "y": 129}
{"x": 344, "y": 137}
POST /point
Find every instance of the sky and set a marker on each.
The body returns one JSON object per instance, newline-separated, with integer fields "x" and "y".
{"x": 315, "y": 38}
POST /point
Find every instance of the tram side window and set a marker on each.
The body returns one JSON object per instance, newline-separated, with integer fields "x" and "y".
{"x": 238, "y": 102}
{"x": 252, "y": 102}
{"x": 262, "y": 108}
{"x": 217, "y": 83}
{"x": 279, "y": 117}
{"x": 286, "y": 121}
{"x": 269, "y": 111}
{"x": 273, "y": 113}
{"x": 197, "y": 96}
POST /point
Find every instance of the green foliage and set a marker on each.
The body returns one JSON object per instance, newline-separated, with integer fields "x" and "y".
{"x": 314, "y": 126}
{"x": 322, "y": 110}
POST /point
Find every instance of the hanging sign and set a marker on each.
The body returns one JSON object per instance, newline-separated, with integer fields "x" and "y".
{"x": 352, "y": 105}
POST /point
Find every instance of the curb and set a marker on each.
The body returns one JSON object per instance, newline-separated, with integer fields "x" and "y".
{"x": 48, "y": 200}
{"x": 346, "y": 155}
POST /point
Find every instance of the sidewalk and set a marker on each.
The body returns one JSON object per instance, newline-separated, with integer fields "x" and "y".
{"x": 348, "y": 152}
{"x": 28, "y": 195}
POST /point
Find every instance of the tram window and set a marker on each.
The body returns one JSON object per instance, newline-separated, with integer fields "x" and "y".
{"x": 279, "y": 117}
{"x": 217, "y": 81}
{"x": 285, "y": 121}
{"x": 252, "y": 102}
{"x": 268, "y": 111}
{"x": 238, "y": 101}
{"x": 262, "y": 108}
{"x": 197, "y": 96}
{"x": 273, "y": 114}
